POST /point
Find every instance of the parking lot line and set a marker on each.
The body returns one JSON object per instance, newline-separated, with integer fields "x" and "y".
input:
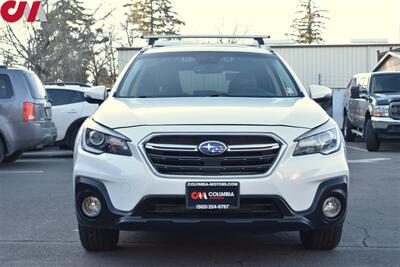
{"x": 56, "y": 153}
{"x": 19, "y": 172}
{"x": 42, "y": 160}
{"x": 356, "y": 148}
{"x": 367, "y": 160}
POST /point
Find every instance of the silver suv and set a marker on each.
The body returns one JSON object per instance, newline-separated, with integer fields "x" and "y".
{"x": 25, "y": 114}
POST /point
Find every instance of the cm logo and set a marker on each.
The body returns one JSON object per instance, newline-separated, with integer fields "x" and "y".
{"x": 12, "y": 11}
{"x": 199, "y": 195}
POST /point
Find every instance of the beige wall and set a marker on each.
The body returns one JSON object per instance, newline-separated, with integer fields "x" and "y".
{"x": 390, "y": 64}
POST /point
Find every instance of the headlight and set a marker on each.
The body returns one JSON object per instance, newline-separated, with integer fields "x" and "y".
{"x": 97, "y": 142}
{"x": 324, "y": 140}
{"x": 380, "y": 111}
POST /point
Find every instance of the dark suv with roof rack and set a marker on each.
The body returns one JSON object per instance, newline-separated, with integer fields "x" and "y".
{"x": 25, "y": 114}
{"x": 372, "y": 108}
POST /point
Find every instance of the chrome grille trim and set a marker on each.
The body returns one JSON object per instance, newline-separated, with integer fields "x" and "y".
{"x": 212, "y": 135}
{"x": 171, "y": 147}
{"x": 255, "y": 147}
{"x": 231, "y": 148}
{"x": 394, "y": 110}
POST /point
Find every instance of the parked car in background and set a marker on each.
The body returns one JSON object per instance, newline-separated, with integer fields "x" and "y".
{"x": 372, "y": 108}
{"x": 70, "y": 110}
{"x": 25, "y": 114}
{"x": 325, "y": 100}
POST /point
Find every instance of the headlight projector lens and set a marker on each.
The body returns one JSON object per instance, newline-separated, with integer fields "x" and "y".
{"x": 96, "y": 138}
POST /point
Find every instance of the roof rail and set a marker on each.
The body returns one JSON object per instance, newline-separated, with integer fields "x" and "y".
{"x": 154, "y": 38}
{"x": 70, "y": 83}
{"x": 3, "y": 67}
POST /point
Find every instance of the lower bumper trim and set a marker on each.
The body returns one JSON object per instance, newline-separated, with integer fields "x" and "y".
{"x": 288, "y": 220}
{"x": 289, "y": 224}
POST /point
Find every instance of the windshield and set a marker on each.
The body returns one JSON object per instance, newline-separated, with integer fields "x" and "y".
{"x": 202, "y": 74}
{"x": 385, "y": 83}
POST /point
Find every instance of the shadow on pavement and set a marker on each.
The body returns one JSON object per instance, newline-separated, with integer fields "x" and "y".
{"x": 386, "y": 146}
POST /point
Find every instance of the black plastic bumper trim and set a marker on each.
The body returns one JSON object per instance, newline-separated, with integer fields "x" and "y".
{"x": 312, "y": 218}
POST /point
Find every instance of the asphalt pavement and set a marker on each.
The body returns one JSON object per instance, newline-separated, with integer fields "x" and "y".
{"x": 38, "y": 225}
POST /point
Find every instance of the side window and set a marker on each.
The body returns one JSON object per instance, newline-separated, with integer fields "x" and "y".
{"x": 358, "y": 82}
{"x": 363, "y": 85}
{"x": 35, "y": 86}
{"x": 352, "y": 83}
{"x": 367, "y": 86}
{"x": 81, "y": 96}
{"x": 64, "y": 97}
{"x": 6, "y": 90}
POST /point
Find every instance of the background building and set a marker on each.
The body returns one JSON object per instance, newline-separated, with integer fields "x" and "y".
{"x": 389, "y": 61}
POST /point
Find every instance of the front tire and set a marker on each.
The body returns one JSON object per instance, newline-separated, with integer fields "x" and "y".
{"x": 348, "y": 134}
{"x": 13, "y": 157}
{"x": 72, "y": 137}
{"x": 371, "y": 138}
{"x": 93, "y": 239}
{"x": 322, "y": 239}
{"x": 2, "y": 150}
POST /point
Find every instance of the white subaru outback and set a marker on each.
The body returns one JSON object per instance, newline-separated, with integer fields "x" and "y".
{"x": 210, "y": 136}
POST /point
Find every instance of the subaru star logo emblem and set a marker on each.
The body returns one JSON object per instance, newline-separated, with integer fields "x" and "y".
{"x": 212, "y": 148}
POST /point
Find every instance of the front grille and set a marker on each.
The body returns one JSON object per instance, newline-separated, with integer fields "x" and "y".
{"x": 395, "y": 110}
{"x": 393, "y": 129}
{"x": 175, "y": 207}
{"x": 244, "y": 155}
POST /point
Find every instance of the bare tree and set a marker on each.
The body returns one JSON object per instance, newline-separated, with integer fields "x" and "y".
{"x": 70, "y": 46}
{"x": 309, "y": 26}
{"x": 57, "y": 50}
{"x": 237, "y": 30}
{"x": 127, "y": 30}
{"x": 28, "y": 49}
{"x": 103, "y": 65}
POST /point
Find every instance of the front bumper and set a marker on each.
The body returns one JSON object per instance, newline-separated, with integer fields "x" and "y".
{"x": 129, "y": 179}
{"x": 386, "y": 128}
{"x": 283, "y": 218}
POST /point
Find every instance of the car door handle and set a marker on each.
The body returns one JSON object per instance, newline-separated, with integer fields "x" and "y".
{"x": 72, "y": 111}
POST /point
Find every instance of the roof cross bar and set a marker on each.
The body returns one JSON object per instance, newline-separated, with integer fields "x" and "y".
{"x": 154, "y": 38}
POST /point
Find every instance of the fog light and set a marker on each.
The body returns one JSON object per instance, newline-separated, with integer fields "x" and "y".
{"x": 331, "y": 207}
{"x": 91, "y": 206}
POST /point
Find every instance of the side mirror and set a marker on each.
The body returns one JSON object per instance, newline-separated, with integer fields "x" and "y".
{"x": 320, "y": 93}
{"x": 96, "y": 94}
{"x": 323, "y": 96}
{"x": 355, "y": 92}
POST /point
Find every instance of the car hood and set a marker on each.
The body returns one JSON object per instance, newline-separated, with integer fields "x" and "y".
{"x": 387, "y": 98}
{"x": 295, "y": 112}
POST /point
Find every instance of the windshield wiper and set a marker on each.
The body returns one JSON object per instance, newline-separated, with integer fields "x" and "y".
{"x": 217, "y": 95}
